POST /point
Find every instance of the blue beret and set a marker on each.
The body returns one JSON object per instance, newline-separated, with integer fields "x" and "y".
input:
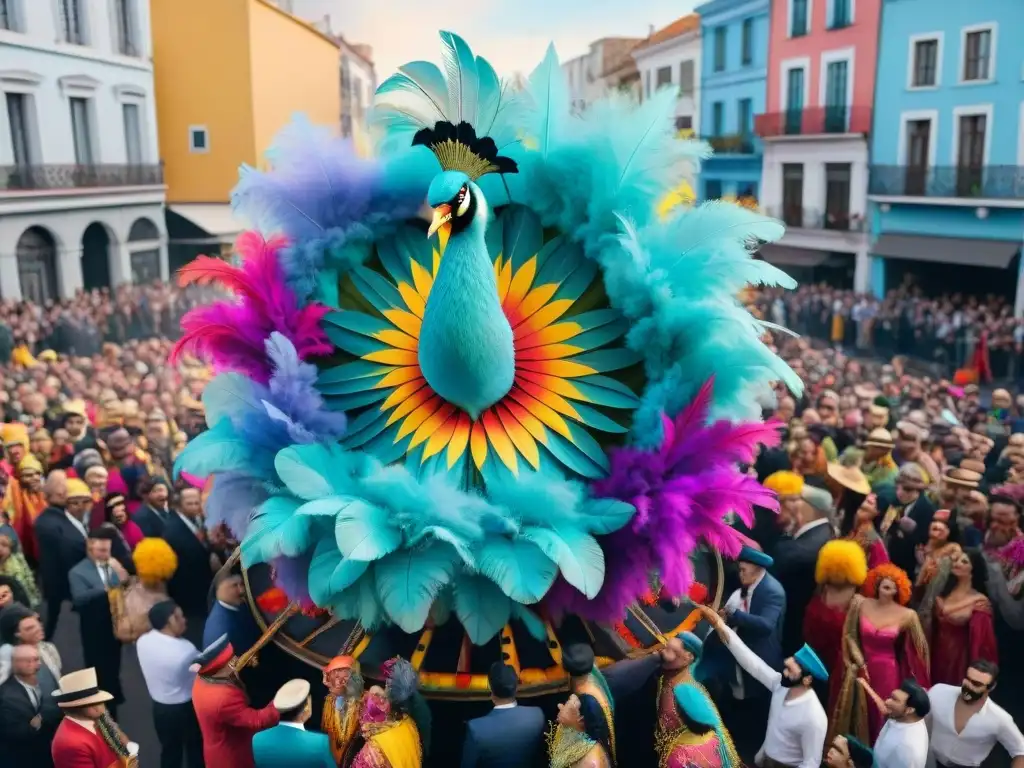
{"x": 811, "y": 664}
{"x": 692, "y": 643}
{"x": 755, "y": 556}
{"x": 695, "y": 704}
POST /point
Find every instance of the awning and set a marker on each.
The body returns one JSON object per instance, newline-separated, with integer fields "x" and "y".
{"x": 214, "y": 218}
{"x": 996, "y": 254}
{"x": 784, "y": 256}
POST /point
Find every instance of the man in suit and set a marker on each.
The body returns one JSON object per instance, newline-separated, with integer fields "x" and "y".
{"x": 190, "y": 584}
{"x": 288, "y": 744}
{"x": 906, "y": 524}
{"x": 796, "y": 557}
{"x": 153, "y": 515}
{"x": 510, "y": 735}
{"x": 61, "y": 535}
{"x": 29, "y": 715}
{"x": 756, "y": 611}
{"x": 90, "y": 582}
{"x": 229, "y": 615}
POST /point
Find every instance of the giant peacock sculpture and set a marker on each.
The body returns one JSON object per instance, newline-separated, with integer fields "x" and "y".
{"x": 476, "y": 386}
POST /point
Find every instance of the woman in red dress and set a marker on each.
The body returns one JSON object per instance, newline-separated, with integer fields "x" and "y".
{"x": 962, "y": 629}
{"x": 841, "y": 569}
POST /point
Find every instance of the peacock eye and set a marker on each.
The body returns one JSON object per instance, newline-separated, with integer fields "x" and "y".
{"x": 462, "y": 201}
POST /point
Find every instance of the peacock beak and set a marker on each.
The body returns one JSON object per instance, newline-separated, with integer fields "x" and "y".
{"x": 442, "y": 219}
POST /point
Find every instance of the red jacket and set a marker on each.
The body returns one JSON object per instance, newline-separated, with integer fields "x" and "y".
{"x": 75, "y": 746}
{"x": 228, "y": 722}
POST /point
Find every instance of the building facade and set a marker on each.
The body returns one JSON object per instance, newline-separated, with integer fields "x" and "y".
{"x": 220, "y": 110}
{"x": 820, "y": 89}
{"x": 671, "y": 57}
{"x": 732, "y": 91}
{"x": 81, "y": 187}
{"x": 358, "y": 84}
{"x": 607, "y": 66}
{"x": 947, "y": 148}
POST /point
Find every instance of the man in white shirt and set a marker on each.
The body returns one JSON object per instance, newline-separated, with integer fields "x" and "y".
{"x": 165, "y": 657}
{"x": 903, "y": 741}
{"x": 797, "y": 723}
{"x": 966, "y": 723}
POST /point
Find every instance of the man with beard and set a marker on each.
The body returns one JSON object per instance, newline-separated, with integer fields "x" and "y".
{"x": 966, "y": 724}
{"x": 797, "y": 724}
{"x": 344, "y": 701}
{"x": 77, "y": 425}
{"x": 903, "y": 741}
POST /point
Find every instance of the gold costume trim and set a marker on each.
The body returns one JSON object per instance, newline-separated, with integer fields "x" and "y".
{"x": 665, "y": 741}
{"x": 567, "y": 746}
{"x": 591, "y": 688}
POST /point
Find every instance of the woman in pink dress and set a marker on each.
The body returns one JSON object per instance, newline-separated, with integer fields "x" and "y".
{"x": 883, "y": 642}
{"x": 962, "y": 629}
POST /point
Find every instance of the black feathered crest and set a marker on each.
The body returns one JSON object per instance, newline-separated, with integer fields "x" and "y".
{"x": 458, "y": 149}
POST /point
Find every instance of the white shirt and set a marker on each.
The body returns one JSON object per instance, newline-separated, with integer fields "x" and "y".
{"x": 35, "y": 694}
{"x": 229, "y": 607}
{"x": 796, "y": 727}
{"x": 506, "y": 706}
{"x": 973, "y": 744}
{"x": 808, "y": 526}
{"x": 902, "y": 745}
{"x": 191, "y": 526}
{"x": 290, "y": 724}
{"x": 77, "y": 523}
{"x": 165, "y": 662}
{"x": 106, "y": 573}
{"x": 733, "y": 604}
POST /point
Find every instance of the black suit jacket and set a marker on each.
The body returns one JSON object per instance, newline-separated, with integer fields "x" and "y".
{"x": 151, "y": 522}
{"x": 795, "y": 560}
{"x": 190, "y": 583}
{"x": 23, "y": 744}
{"x": 902, "y": 545}
{"x": 505, "y": 738}
{"x": 61, "y": 547}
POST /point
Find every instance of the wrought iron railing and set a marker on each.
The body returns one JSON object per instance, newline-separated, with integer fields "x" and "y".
{"x": 733, "y": 144}
{"x": 810, "y": 218}
{"x": 43, "y": 177}
{"x": 813, "y": 121}
{"x": 997, "y": 182}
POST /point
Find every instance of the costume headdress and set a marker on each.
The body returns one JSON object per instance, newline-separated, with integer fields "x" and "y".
{"x": 696, "y": 705}
{"x": 785, "y": 483}
{"x": 811, "y": 663}
{"x": 155, "y": 560}
{"x": 841, "y": 561}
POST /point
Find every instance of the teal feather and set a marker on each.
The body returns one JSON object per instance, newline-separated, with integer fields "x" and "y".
{"x": 519, "y": 567}
{"x": 430, "y": 81}
{"x": 551, "y": 95}
{"x": 353, "y": 343}
{"x": 533, "y": 623}
{"x": 605, "y": 360}
{"x": 578, "y": 281}
{"x": 516, "y": 235}
{"x": 363, "y": 532}
{"x": 351, "y": 386}
{"x": 580, "y": 558}
{"x": 306, "y": 470}
{"x": 230, "y": 395}
{"x": 356, "y": 322}
{"x": 377, "y": 290}
{"x": 357, "y": 370}
{"x": 326, "y": 558}
{"x": 587, "y": 445}
{"x": 604, "y": 516}
{"x": 597, "y": 420}
{"x": 218, "y": 449}
{"x": 402, "y": 82}
{"x": 606, "y": 392}
{"x": 275, "y": 530}
{"x": 364, "y": 428}
{"x": 409, "y": 580}
{"x": 408, "y": 244}
{"x": 482, "y": 608}
{"x": 384, "y": 446}
{"x": 572, "y": 458}
{"x": 461, "y": 75}
{"x": 601, "y": 336}
{"x": 441, "y": 610}
{"x": 489, "y": 97}
{"x": 557, "y": 260}
{"x": 355, "y": 400}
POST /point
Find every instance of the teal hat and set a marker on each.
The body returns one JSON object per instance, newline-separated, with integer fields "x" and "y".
{"x": 755, "y": 557}
{"x": 695, "y": 704}
{"x": 692, "y": 643}
{"x": 810, "y": 663}
{"x": 860, "y": 752}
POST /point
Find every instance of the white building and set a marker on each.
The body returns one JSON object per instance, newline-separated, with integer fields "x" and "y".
{"x": 603, "y": 68}
{"x": 358, "y": 84}
{"x": 671, "y": 57}
{"x": 81, "y": 187}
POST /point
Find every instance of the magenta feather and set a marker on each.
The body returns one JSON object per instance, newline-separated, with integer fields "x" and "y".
{"x": 232, "y": 334}
{"x": 1013, "y": 553}
{"x": 682, "y": 493}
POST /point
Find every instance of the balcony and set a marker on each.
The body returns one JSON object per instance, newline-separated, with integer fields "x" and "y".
{"x": 990, "y": 182}
{"x": 57, "y": 177}
{"x": 814, "y": 121}
{"x": 809, "y": 218}
{"x": 734, "y": 144}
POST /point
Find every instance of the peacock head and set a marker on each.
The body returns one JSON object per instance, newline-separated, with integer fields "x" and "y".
{"x": 458, "y": 203}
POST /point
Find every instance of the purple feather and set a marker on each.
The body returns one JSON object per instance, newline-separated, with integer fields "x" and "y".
{"x": 232, "y": 500}
{"x": 292, "y": 575}
{"x": 682, "y": 493}
{"x": 293, "y": 391}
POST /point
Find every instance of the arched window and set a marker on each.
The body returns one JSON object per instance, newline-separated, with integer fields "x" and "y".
{"x": 144, "y": 246}
{"x": 37, "y": 265}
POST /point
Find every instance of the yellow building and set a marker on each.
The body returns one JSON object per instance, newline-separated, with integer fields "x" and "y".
{"x": 229, "y": 75}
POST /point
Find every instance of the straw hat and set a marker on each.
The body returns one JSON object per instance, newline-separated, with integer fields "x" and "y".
{"x": 80, "y": 689}
{"x": 850, "y": 478}
{"x": 879, "y": 438}
{"x": 973, "y": 465}
{"x": 963, "y": 478}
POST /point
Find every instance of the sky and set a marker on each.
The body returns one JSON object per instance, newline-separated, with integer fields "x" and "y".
{"x": 512, "y": 34}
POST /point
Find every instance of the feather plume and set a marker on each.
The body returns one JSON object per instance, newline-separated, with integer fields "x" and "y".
{"x": 232, "y": 334}
{"x": 291, "y": 575}
{"x": 1013, "y": 553}
{"x": 293, "y": 392}
{"x": 233, "y": 498}
{"x": 682, "y": 493}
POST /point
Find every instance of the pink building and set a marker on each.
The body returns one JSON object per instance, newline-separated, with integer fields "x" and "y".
{"x": 821, "y": 83}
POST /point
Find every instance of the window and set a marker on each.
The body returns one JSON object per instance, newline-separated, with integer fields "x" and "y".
{"x": 72, "y": 22}
{"x": 837, "y": 195}
{"x": 686, "y": 78}
{"x": 798, "y": 20}
{"x": 836, "y": 108}
{"x": 926, "y": 63}
{"x": 126, "y": 43}
{"x": 720, "y": 40}
{"x": 9, "y": 15}
{"x": 132, "y": 134}
{"x": 970, "y": 154}
{"x": 663, "y": 77}
{"x": 918, "y": 149}
{"x": 793, "y": 194}
{"x": 977, "y": 55}
{"x": 81, "y": 131}
{"x": 684, "y": 123}
{"x": 717, "y": 118}
{"x": 747, "y": 43}
{"x": 745, "y": 117}
{"x": 840, "y": 14}
{"x": 198, "y": 139}
{"x": 647, "y": 84}
{"x": 712, "y": 189}
{"x": 17, "y": 116}
{"x": 794, "y": 99}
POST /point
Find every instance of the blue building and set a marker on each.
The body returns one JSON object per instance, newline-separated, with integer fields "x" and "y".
{"x": 733, "y": 71}
{"x": 946, "y": 183}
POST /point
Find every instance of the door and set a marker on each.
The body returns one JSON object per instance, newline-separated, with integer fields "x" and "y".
{"x": 132, "y": 134}
{"x": 835, "y": 97}
{"x": 970, "y": 155}
{"x": 794, "y": 100}
{"x": 918, "y": 142}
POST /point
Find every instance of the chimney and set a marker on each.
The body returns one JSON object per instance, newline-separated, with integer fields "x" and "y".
{"x": 650, "y": 30}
